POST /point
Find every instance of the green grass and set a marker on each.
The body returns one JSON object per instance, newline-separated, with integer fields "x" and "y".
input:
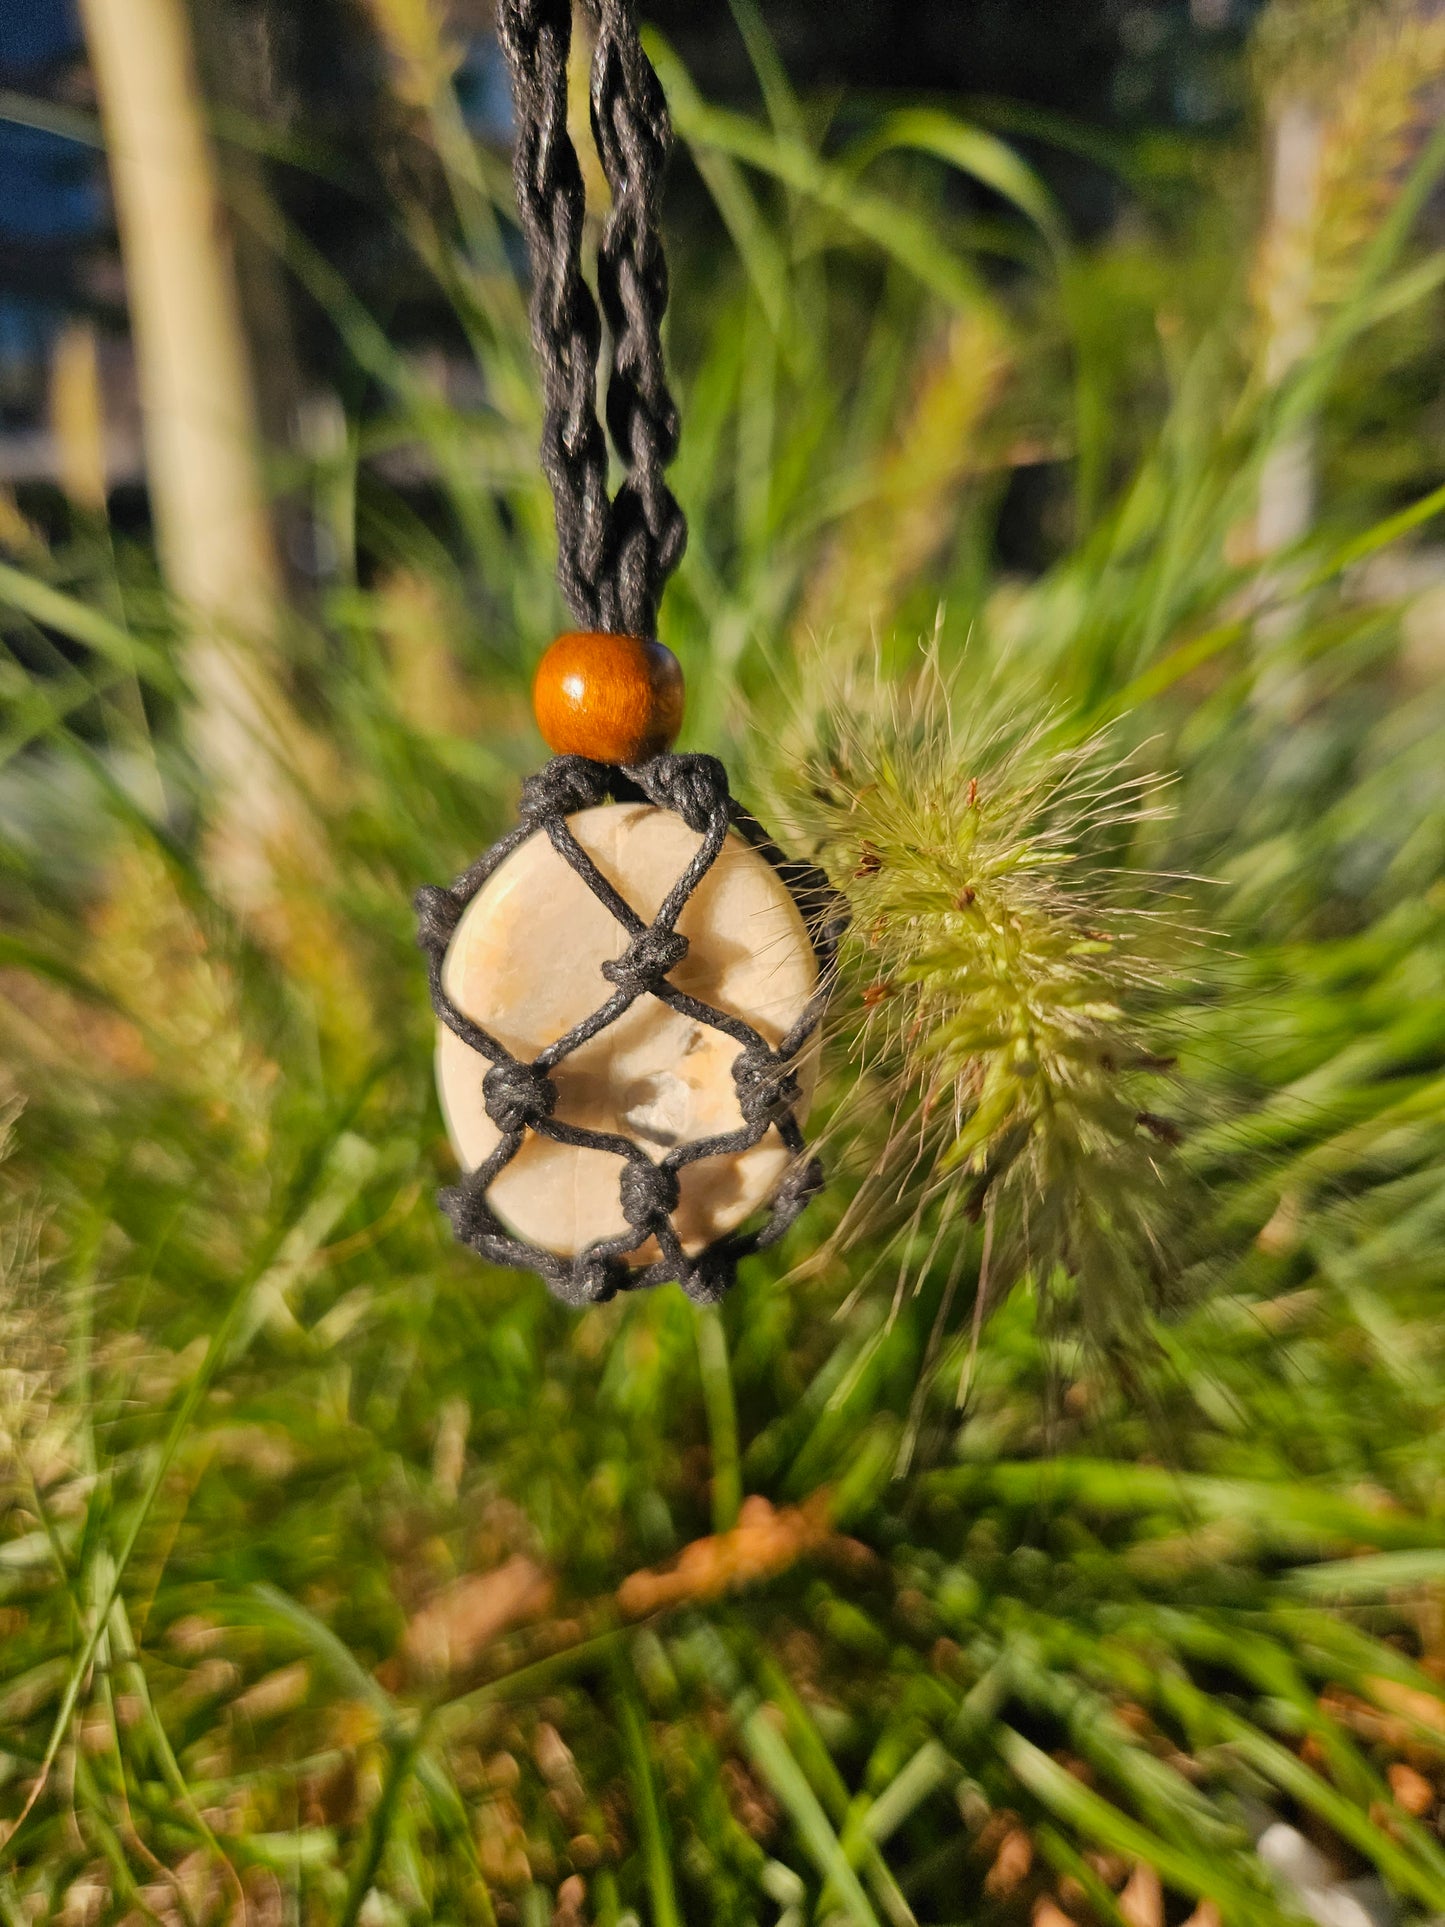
{"x": 316, "y": 1535}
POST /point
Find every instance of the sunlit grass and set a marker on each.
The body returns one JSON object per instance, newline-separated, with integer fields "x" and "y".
{"x": 342, "y": 1574}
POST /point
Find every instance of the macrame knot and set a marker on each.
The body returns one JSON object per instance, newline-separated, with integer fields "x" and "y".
{"x": 465, "y": 1209}
{"x": 437, "y": 915}
{"x": 592, "y": 1279}
{"x": 765, "y": 1086}
{"x": 707, "y": 1278}
{"x": 562, "y": 787}
{"x": 646, "y": 960}
{"x": 696, "y": 787}
{"x": 516, "y": 1095}
{"x": 801, "y": 1181}
{"x": 648, "y": 1192}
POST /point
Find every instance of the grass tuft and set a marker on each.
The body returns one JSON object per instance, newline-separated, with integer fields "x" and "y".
{"x": 998, "y": 972}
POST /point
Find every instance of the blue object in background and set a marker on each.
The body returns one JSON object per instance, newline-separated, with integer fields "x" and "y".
{"x": 484, "y": 90}
{"x": 50, "y": 194}
{"x": 32, "y": 32}
{"x": 48, "y": 185}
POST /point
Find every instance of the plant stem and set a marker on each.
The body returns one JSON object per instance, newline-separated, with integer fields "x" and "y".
{"x": 722, "y": 1416}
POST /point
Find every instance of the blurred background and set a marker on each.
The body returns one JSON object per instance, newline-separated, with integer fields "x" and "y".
{"x": 1052, "y": 1529}
{"x": 320, "y": 75}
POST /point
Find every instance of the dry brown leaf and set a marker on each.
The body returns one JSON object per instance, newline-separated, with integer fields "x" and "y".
{"x": 752, "y": 1806}
{"x": 450, "y": 1634}
{"x": 1412, "y": 1790}
{"x": 1142, "y": 1901}
{"x": 552, "y": 1753}
{"x": 276, "y": 1693}
{"x": 1404, "y": 1738}
{"x": 1011, "y": 1866}
{"x": 1048, "y": 1913}
{"x": 329, "y": 1797}
{"x": 85, "y": 1899}
{"x": 1111, "y": 1868}
{"x": 208, "y": 1679}
{"x": 502, "y": 1842}
{"x": 764, "y": 1542}
{"x": 571, "y": 1898}
{"x": 262, "y": 1449}
{"x": 989, "y": 1827}
{"x": 1425, "y": 1709}
{"x": 195, "y": 1635}
{"x": 1136, "y": 1718}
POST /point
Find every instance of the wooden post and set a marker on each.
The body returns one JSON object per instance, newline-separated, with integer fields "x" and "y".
{"x": 208, "y": 500}
{"x": 1287, "y": 481}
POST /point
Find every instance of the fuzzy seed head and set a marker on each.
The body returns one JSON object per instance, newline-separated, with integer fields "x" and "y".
{"x": 993, "y": 977}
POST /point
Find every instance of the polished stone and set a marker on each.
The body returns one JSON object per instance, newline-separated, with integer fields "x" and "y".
{"x": 525, "y": 963}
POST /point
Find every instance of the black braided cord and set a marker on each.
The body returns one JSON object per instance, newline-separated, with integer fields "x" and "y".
{"x": 521, "y": 1097}
{"x": 613, "y": 557}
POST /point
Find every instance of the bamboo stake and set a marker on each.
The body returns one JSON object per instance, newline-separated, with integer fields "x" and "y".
{"x": 202, "y": 448}
{"x": 77, "y": 417}
{"x": 1287, "y": 481}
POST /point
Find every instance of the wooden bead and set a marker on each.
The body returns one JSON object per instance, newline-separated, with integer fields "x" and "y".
{"x": 616, "y": 699}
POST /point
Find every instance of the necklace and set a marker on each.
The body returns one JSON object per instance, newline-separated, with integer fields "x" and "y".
{"x": 629, "y": 984}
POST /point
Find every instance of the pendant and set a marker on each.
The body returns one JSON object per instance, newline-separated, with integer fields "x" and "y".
{"x": 629, "y": 988}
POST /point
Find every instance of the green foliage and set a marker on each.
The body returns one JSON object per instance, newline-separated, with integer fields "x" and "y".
{"x": 335, "y": 1569}
{"x": 996, "y": 970}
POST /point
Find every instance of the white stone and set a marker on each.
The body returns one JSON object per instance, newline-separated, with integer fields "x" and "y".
{"x": 525, "y": 963}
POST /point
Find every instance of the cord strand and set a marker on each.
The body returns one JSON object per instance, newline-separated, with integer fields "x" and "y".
{"x": 613, "y": 558}
{"x": 536, "y": 37}
{"x": 633, "y": 133}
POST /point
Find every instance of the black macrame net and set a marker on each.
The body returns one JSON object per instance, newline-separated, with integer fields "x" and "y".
{"x": 521, "y": 1097}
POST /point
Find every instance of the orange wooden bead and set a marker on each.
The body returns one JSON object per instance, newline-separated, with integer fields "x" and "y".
{"x": 616, "y": 699}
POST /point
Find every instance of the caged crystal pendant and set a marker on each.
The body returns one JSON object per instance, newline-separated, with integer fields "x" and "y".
{"x": 629, "y": 994}
{"x": 629, "y": 984}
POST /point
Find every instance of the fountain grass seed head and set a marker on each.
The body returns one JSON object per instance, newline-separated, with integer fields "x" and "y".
{"x": 997, "y": 978}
